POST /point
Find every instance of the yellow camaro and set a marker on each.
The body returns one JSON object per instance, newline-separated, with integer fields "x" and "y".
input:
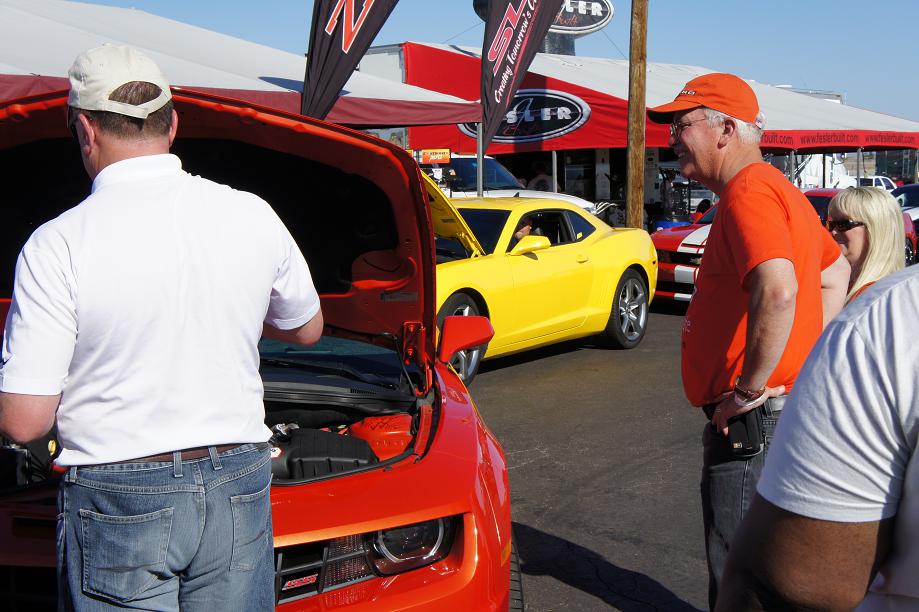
{"x": 542, "y": 270}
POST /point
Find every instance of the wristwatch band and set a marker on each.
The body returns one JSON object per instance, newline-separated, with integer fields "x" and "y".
{"x": 747, "y": 394}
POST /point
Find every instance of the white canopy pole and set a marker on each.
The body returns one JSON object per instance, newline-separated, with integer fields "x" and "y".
{"x": 480, "y": 161}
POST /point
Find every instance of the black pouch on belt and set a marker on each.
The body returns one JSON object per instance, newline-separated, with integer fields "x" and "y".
{"x": 745, "y": 434}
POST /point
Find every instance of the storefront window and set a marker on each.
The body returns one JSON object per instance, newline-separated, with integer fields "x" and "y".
{"x": 579, "y": 173}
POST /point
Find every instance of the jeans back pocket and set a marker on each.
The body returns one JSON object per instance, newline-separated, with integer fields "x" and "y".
{"x": 251, "y": 529}
{"x": 124, "y": 555}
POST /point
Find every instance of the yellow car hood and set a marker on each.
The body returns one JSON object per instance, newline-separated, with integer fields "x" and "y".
{"x": 448, "y": 223}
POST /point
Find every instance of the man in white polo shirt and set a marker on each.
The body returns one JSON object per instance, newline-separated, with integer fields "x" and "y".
{"x": 835, "y": 523}
{"x": 134, "y": 323}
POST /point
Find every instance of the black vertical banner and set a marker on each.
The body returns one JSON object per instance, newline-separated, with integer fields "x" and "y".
{"x": 513, "y": 32}
{"x": 341, "y": 33}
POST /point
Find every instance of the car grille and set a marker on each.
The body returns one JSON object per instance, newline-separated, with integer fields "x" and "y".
{"x": 309, "y": 569}
{"x": 671, "y": 287}
{"x": 679, "y": 258}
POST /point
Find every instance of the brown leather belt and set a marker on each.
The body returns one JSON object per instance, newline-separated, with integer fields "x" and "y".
{"x": 188, "y": 454}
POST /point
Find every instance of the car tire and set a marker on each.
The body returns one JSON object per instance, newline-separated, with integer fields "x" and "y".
{"x": 466, "y": 363}
{"x": 910, "y": 253}
{"x": 516, "y": 595}
{"x": 628, "y": 319}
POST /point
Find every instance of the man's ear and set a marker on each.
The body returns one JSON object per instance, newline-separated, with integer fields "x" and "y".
{"x": 86, "y": 134}
{"x": 174, "y": 127}
{"x": 728, "y": 131}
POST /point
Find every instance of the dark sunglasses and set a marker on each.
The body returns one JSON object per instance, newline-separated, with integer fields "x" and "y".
{"x": 842, "y": 225}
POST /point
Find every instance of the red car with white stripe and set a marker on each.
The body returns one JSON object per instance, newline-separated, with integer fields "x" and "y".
{"x": 680, "y": 249}
{"x": 679, "y": 253}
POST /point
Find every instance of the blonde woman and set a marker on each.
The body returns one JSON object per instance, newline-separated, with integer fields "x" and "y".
{"x": 868, "y": 225}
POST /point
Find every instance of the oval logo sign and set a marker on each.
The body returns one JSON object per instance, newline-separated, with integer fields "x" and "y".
{"x": 537, "y": 114}
{"x": 580, "y": 17}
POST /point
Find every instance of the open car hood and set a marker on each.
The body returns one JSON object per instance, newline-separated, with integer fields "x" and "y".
{"x": 448, "y": 223}
{"x": 354, "y": 203}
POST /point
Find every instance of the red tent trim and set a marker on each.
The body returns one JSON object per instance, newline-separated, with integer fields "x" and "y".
{"x": 607, "y": 125}
{"x": 349, "y": 110}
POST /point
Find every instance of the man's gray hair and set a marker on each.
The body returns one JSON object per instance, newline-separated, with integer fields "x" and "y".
{"x": 747, "y": 132}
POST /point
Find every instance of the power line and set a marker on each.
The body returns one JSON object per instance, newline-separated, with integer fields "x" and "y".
{"x": 614, "y": 44}
{"x": 474, "y": 26}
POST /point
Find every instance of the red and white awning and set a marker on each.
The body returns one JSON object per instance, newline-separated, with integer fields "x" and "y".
{"x": 40, "y": 38}
{"x": 793, "y": 121}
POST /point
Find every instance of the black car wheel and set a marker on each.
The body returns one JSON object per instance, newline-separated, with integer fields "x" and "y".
{"x": 628, "y": 320}
{"x": 910, "y": 253}
{"x": 516, "y": 597}
{"x": 466, "y": 363}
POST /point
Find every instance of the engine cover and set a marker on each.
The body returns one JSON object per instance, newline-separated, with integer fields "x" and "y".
{"x": 310, "y": 453}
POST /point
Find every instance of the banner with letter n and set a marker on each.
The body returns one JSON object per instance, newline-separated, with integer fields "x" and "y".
{"x": 514, "y": 31}
{"x": 341, "y": 33}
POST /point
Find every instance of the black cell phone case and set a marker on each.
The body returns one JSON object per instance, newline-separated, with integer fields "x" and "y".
{"x": 745, "y": 434}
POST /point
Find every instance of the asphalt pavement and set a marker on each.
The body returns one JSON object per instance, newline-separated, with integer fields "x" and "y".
{"x": 604, "y": 457}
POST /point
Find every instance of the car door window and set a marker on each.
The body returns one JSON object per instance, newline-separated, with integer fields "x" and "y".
{"x": 551, "y": 224}
{"x": 486, "y": 224}
{"x": 581, "y": 228}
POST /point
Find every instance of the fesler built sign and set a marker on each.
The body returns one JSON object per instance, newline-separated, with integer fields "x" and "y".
{"x": 537, "y": 114}
{"x": 579, "y": 17}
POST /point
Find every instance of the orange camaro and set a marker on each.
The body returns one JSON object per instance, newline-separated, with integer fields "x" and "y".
{"x": 389, "y": 491}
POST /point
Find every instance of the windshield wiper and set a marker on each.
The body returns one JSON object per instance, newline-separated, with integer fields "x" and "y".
{"x": 334, "y": 367}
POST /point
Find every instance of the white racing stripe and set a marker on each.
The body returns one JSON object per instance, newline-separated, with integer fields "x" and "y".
{"x": 695, "y": 242}
{"x": 685, "y": 274}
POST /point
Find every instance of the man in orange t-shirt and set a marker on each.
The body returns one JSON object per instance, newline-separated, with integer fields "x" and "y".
{"x": 770, "y": 278}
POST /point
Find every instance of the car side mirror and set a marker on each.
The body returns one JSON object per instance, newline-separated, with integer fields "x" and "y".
{"x": 529, "y": 244}
{"x": 460, "y": 333}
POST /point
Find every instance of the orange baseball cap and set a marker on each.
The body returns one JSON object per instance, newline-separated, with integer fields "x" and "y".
{"x": 720, "y": 91}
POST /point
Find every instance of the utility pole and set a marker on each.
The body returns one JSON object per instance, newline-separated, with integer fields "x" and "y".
{"x": 638, "y": 58}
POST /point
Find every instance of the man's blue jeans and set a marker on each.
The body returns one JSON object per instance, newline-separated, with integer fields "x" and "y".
{"x": 190, "y": 535}
{"x": 728, "y": 486}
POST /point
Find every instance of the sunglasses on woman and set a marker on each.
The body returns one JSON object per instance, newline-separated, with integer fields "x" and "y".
{"x": 842, "y": 225}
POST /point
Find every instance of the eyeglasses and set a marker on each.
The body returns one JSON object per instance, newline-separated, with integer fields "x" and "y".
{"x": 842, "y": 225}
{"x": 677, "y": 128}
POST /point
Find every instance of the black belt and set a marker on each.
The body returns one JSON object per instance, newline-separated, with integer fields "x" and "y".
{"x": 188, "y": 454}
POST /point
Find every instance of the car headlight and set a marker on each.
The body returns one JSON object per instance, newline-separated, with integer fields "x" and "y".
{"x": 404, "y": 548}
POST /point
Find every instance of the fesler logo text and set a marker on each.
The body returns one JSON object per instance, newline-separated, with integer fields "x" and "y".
{"x": 522, "y": 112}
{"x": 579, "y": 17}
{"x": 581, "y": 7}
{"x": 537, "y": 114}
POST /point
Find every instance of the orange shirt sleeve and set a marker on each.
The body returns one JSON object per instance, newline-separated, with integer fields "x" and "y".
{"x": 831, "y": 251}
{"x": 756, "y": 227}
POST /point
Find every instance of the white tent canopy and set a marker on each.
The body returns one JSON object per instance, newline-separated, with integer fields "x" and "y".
{"x": 42, "y": 37}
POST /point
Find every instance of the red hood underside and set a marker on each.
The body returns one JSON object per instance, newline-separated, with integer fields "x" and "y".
{"x": 388, "y": 288}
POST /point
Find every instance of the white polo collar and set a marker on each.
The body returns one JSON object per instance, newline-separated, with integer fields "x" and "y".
{"x": 138, "y": 169}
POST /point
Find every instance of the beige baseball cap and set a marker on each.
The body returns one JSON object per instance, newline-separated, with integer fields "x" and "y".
{"x": 96, "y": 73}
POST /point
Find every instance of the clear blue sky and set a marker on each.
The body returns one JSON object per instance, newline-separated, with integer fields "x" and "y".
{"x": 865, "y": 50}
